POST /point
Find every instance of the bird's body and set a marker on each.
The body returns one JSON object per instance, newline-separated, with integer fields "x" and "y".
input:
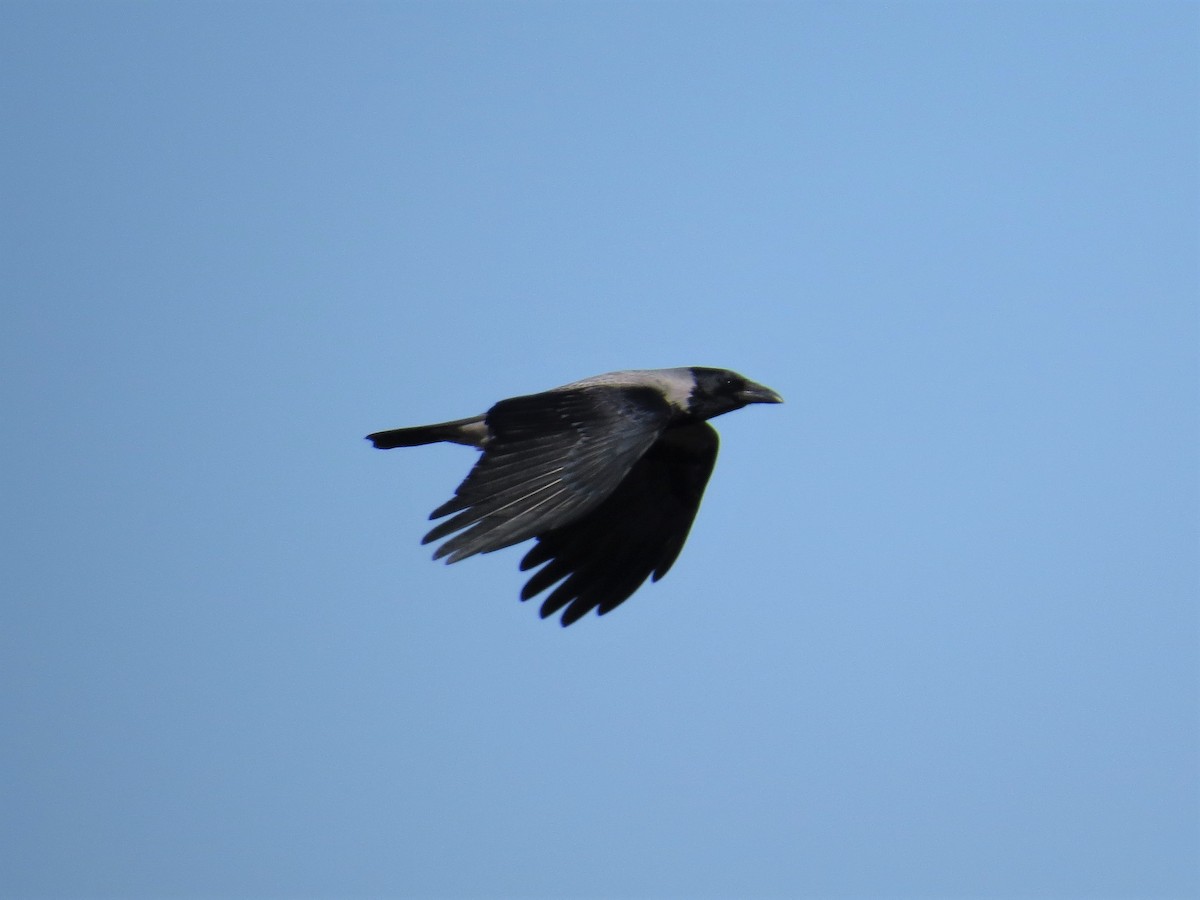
{"x": 607, "y": 473}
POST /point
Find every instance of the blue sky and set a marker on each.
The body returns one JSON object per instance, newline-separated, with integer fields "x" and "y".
{"x": 935, "y": 631}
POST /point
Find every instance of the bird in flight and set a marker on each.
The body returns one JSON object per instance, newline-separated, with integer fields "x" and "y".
{"x": 606, "y": 473}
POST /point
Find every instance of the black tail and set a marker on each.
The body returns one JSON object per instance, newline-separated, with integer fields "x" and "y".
{"x": 470, "y": 431}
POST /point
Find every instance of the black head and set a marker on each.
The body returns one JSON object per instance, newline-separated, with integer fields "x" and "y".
{"x": 720, "y": 391}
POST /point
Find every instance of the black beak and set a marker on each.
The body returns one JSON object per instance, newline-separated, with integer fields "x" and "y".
{"x": 758, "y": 393}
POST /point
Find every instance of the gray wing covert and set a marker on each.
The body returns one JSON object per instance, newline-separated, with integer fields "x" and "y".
{"x": 549, "y": 459}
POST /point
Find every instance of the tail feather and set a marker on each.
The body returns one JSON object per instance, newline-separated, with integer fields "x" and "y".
{"x": 470, "y": 431}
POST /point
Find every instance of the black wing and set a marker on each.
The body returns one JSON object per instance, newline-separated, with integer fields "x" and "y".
{"x": 633, "y": 535}
{"x": 548, "y": 459}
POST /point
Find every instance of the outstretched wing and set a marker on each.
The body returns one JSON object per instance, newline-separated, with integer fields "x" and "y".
{"x": 549, "y": 458}
{"x": 635, "y": 534}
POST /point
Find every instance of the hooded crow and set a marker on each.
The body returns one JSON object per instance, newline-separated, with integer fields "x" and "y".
{"x": 606, "y": 473}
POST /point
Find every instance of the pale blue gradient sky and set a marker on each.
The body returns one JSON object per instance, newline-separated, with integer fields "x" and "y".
{"x": 935, "y": 632}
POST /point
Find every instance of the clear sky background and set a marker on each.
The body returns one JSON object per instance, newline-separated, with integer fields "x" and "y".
{"x": 935, "y": 631}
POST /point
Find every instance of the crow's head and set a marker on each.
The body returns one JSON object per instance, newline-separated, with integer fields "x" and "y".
{"x": 720, "y": 391}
